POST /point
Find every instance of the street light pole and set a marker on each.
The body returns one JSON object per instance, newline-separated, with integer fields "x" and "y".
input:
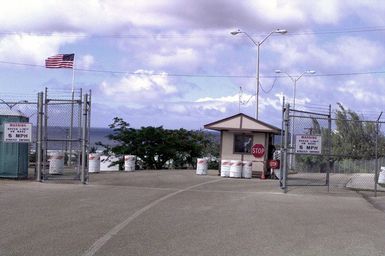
{"x": 258, "y": 44}
{"x": 257, "y": 84}
{"x": 294, "y": 80}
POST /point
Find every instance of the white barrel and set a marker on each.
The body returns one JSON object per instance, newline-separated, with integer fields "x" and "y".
{"x": 94, "y": 162}
{"x": 247, "y": 169}
{"x": 56, "y": 163}
{"x": 129, "y": 163}
{"x": 381, "y": 176}
{"x": 105, "y": 164}
{"x": 225, "y": 168}
{"x": 236, "y": 169}
{"x": 202, "y": 166}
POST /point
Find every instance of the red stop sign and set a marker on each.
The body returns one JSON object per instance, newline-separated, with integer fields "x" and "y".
{"x": 258, "y": 150}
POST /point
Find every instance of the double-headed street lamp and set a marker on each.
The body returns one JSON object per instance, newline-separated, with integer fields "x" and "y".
{"x": 258, "y": 44}
{"x": 294, "y": 80}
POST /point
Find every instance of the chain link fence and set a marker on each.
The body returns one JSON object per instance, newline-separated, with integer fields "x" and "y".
{"x": 332, "y": 149}
{"x": 60, "y": 131}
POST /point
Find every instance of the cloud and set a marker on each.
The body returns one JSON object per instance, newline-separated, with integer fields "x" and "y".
{"x": 362, "y": 90}
{"x": 29, "y": 48}
{"x": 345, "y": 53}
{"x": 114, "y": 16}
{"x": 177, "y": 51}
{"x": 62, "y": 16}
{"x": 194, "y": 114}
{"x": 342, "y": 53}
{"x": 85, "y": 61}
{"x": 187, "y": 37}
{"x": 175, "y": 57}
{"x": 144, "y": 86}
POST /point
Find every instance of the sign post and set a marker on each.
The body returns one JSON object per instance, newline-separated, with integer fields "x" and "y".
{"x": 258, "y": 151}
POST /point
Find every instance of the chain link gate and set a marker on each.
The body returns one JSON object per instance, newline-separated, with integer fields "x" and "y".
{"x": 63, "y": 135}
{"x": 316, "y": 151}
{"x": 307, "y": 164}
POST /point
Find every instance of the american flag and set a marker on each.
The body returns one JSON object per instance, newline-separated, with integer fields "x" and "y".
{"x": 60, "y": 61}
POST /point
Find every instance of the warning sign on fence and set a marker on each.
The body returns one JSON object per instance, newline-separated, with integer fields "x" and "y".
{"x": 308, "y": 144}
{"x": 18, "y": 132}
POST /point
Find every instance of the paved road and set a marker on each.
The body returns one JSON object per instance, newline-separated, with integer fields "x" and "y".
{"x": 179, "y": 213}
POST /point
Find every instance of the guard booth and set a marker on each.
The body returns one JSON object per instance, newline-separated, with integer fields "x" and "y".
{"x": 247, "y": 139}
{"x": 15, "y": 133}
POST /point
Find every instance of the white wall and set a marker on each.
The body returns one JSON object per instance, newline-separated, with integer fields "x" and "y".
{"x": 228, "y": 149}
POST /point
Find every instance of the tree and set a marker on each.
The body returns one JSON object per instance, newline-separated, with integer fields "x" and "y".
{"x": 355, "y": 138}
{"x": 352, "y": 138}
{"x": 157, "y": 147}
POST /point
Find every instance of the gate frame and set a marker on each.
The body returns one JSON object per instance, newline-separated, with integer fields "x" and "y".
{"x": 290, "y": 150}
{"x": 321, "y": 116}
{"x": 42, "y": 139}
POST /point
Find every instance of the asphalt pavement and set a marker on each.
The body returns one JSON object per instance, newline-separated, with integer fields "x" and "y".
{"x": 175, "y": 212}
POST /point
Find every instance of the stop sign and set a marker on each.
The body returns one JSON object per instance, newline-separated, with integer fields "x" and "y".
{"x": 258, "y": 150}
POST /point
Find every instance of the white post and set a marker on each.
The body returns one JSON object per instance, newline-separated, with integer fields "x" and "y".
{"x": 257, "y": 86}
{"x": 72, "y": 115}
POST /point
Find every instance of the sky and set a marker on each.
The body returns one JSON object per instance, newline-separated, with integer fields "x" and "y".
{"x": 174, "y": 63}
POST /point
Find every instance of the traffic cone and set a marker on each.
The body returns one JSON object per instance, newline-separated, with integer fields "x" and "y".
{"x": 263, "y": 175}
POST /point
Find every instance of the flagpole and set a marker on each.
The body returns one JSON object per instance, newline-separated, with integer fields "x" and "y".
{"x": 73, "y": 75}
{"x": 72, "y": 113}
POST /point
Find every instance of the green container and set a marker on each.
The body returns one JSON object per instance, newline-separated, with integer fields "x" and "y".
{"x": 13, "y": 156}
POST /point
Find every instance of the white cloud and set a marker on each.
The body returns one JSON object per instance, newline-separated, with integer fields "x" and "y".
{"x": 348, "y": 53}
{"x": 226, "y": 99}
{"x": 114, "y": 16}
{"x": 363, "y": 91}
{"x": 185, "y": 36}
{"x": 85, "y": 61}
{"x": 61, "y": 16}
{"x": 29, "y": 48}
{"x": 175, "y": 57}
{"x": 143, "y": 86}
{"x": 343, "y": 53}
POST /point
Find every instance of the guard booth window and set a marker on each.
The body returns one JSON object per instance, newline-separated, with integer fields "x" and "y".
{"x": 243, "y": 143}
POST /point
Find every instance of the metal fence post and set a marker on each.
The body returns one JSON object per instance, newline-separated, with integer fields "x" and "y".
{"x": 285, "y": 147}
{"x": 84, "y": 139}
{"x": 79, "y": 130}
{"x": 281, "y": 149}
{"x": 39, "y": 135}
{"x": 45, "y": 133}
{"x": 70, "y": 129}
{"x": 329, "y": 146}
{"x": 376, "y": 163}
{"x": 89, "y": 117}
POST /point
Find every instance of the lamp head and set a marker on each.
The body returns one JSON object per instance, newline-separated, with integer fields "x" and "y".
{"x": 235, "y": 32}
{"x": 312, "y": 72}
{"x": 281, "y": 31}
{"x": 278, "y": 71}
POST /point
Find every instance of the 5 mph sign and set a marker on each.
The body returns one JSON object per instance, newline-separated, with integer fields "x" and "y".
{"x": 308, "y": 144}
{"x": 18, "y": 132}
